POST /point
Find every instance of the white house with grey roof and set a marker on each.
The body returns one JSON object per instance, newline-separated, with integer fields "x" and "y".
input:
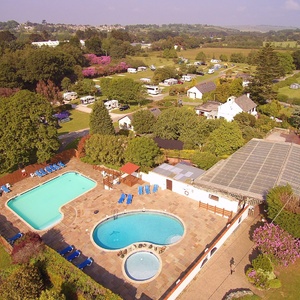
{"x": 235, "y": 105}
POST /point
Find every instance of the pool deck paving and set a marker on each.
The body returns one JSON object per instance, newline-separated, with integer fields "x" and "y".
{"x": 84, "y": 213}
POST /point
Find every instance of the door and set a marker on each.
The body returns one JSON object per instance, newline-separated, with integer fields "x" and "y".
{"x": 169, "y": 184}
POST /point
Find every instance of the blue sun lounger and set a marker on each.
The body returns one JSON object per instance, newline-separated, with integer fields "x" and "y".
{"x": 48, "y": 169}
{"x": 15, "y": 237}
{"x": 38, "y": 173}
{"x": 5, "y": 189}
{"x": 122, "y": 198}
{"x": 66, "y": 250}
{"x": 73, "y": 255}
{"x": 55, "y": 167}
{"x": 129, "y": 199}
{"x": 155, "y": 188}
{"x": 140, "y": 190}
{"x": 147, "y": 189}
{"x": 85, "y": 263}
{"x": 43, "y": 172}
{"x": 61, "y": 164}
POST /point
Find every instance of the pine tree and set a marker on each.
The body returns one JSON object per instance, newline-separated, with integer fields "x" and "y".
{"x": 268, "y": 68}
{"x": 100, "y": 120}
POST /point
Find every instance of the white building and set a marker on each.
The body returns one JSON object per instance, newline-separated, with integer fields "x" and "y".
{"x": 236, "y": 105}
{"x": 197, "y": 91}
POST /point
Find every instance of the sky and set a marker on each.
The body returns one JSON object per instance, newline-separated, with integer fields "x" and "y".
{"x": 131, "y": 12}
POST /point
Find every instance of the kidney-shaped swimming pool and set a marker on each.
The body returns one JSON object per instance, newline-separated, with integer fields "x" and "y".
{"x": 123, "y": 230}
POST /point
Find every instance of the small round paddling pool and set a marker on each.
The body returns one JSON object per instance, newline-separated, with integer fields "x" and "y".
{"x": 142, "y": 266}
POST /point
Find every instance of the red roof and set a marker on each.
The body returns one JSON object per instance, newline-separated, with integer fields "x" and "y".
{"x": 129, "y": 168}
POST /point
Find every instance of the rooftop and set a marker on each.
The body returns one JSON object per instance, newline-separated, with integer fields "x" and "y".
{"x": 209, "y": 106}
{"x": 254, "y": 169}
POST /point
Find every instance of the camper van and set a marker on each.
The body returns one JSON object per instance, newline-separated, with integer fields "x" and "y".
{"x": 111, "y": 104}
{"x": 152, "y": 89}
{"x": 87, "y": 100}
{"x": 68, "y": 96}
{"x": 131, "y": 70}
{"x": 186, "y": 78}
{"x": 211, "y": 71}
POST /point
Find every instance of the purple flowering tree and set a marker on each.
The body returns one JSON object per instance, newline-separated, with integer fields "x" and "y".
{"x": 278, "y": 244}
{"x": 89, "y": 72}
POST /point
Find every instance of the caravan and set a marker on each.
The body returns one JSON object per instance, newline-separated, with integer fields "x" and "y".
{"x": 152, "y": 89}
{"x": 87, "y": 100}
{"x": 131, "y": 70}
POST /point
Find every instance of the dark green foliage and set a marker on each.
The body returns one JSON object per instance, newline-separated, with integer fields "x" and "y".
{"x": 105, "y": 149}
{"x": 126, "y": 90}
{"x": 161, "y": 74}
{"x": 296, "y": 58}
{"x": 25, "y": 283}
{"x": 100, "y": 120}
{"x": 262, "y": 262}
{"x": 142, "y": 151}
{"x": 143, "y": 121}
{"x": 225, "y": 140}
{"x": 245, "y": 119}
{"x": 268, "y": 68}
{"x": 294, "y": 120}
{"x": 179, "y": 123}
{"x": 204, "y": 160}
{"x": 264, "y": 124}
{"x": 27, "y": 130}
{"x": 289, "y": 216}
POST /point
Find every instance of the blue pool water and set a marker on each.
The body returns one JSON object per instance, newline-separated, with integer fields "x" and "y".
{"x": 126, "y": 229}
{"x": 40, "y": 206}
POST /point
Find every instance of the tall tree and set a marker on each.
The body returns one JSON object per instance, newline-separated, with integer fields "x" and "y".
{"x": 267, "y": 69}
{"x": 143, "y": 121}
{"x": 50, "y": 91}
{"x": 27, "y": 130}
{"x": 225, "y": 140}
{"x": 142, "y": 151}
{"x": 100, "y": 120}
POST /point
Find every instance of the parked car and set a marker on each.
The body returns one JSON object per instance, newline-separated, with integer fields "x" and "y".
{"x": 200, "y": 73}
{"x": 124, "y": 107}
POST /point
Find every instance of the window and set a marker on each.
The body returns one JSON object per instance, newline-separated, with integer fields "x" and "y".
{"x": 213, "y": 197}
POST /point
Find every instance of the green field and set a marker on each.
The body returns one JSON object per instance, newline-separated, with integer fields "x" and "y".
{"x": 285, "y": 45}
{"x": 79, "y": 120}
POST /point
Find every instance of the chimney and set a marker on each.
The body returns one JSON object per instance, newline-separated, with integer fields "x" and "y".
{"x": 248, "y": 95}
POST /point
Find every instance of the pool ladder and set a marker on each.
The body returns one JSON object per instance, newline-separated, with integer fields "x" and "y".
{"x": 115, "y": 214}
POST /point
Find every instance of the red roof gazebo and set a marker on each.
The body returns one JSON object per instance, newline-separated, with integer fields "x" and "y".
{"x": 129, "y": 168}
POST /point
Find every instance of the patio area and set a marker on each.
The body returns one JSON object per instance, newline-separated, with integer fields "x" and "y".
{"x": 82, "y": 214}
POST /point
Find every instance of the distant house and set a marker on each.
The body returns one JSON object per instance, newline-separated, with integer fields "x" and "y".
{"x": 208, "y": 109}
{"x": 236, "y": 105}
{"x": 142, "y": 68}
{"x": 125, "y": 122}
{"x": 197, "y": 91}
{"x": 46, "y": 43}
{"x": 227, "y": 110}
{"x": 295, "y": 86}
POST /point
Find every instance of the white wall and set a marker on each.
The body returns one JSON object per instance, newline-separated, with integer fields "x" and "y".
{"x": 191, "y": 191}
{"x": 194, "y": 91}
{"x": 229, "y": 110}
{"x": 183, "y": 282}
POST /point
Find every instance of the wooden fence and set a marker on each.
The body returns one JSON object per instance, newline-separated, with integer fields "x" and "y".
{"x": 21, "y": 174}
{"x": 220, "y": 211}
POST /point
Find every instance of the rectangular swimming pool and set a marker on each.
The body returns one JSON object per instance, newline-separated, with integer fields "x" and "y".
{"x": 40, "y": 206}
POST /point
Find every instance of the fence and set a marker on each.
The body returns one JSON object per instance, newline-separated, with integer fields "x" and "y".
{"x": 19, "y": 175}
{"x": 220, "y": 211}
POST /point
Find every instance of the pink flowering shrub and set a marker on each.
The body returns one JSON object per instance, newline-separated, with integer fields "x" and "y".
{"x": 89, "y": 72}
{"x": 98, "y": 60}
{"x": 276, "y": 243}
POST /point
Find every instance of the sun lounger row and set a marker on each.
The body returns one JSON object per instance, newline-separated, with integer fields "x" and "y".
{"x": 146, "y": 189}
{"x": 49, "y": 169}
{"x": 123, "y": 197}
{"x": 15, "y": 237}
{"x": 87, "y": 262}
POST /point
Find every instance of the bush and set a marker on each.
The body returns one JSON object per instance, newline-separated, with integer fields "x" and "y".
{"x": 262, "y": 262}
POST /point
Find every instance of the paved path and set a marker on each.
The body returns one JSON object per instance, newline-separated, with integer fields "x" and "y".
{"x": 215, "y": 280}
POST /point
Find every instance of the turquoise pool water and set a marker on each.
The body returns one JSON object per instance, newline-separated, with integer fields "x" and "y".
{"x": 126, "y": 229}
{"x": 40, "y": 206}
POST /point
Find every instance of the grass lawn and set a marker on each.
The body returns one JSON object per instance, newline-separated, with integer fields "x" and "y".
{"x": 290, "y": 279}
{"x": 289, "y": 92}
{"x": 79, "y": 120}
